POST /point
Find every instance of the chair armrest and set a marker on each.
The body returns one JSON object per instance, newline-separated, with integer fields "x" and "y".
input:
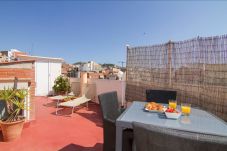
{"x": 122, "y": 110}
{"x": 109, "y": 121}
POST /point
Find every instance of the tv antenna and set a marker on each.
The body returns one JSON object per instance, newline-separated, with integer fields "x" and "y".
{"x": 30, "y": 52}
{"x": 122, "y": 63}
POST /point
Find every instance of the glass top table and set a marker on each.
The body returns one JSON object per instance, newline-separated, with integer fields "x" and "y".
{"x": 198, "y": 121}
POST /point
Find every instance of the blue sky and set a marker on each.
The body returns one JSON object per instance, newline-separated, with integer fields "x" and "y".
{"x": 99, "y": 30}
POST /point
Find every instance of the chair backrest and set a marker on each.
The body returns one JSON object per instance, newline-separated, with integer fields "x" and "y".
{"x": 154, "y": 138}
{"x": 160, "y": 96}
{"x": 109, "y": 105}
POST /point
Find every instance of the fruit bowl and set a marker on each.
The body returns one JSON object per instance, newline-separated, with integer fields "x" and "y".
{"x": 172, "y": 113}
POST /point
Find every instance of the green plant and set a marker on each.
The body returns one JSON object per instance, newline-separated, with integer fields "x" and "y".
{"x": 61, "y": 85}
{"x": 15, "y": 103}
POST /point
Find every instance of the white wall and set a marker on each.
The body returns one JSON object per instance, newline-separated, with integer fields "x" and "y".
{"x": 54, "y": 72}
{"x": 86, "y": 67}
{"x": 20, "y": 85}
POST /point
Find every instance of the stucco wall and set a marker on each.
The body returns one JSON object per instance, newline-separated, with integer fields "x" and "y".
{"x": 103, "y": 85}
{"x": 98, "y": 86}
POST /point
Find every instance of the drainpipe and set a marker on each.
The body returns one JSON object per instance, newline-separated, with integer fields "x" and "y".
{"x": 15, "y": 83}
{"x": 122, "y": 94}
{"x": 48, "y": 89}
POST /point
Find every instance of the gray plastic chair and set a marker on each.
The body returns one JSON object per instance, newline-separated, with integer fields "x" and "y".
{"x": 153, "y": 138}
{"x": 110, "y": 112}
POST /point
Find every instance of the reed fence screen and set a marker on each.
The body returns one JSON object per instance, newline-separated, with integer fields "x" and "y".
{"x": 196, "y": 69}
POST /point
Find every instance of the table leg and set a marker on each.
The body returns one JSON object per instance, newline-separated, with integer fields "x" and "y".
{"x": 56, "y": 111}
{"x": 119, "y": 132}
{"x": 58, "y": 102}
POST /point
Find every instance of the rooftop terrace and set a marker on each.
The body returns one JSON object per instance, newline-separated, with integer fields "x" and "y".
{"x": 49, "y": 132}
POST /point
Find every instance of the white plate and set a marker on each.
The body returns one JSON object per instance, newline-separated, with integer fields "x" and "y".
{"x": 156, "y": 111}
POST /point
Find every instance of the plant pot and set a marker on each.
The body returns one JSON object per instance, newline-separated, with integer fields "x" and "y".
{"x": 11, "y": 130}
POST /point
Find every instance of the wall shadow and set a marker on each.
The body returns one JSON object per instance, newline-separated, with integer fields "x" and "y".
{"x": 50, "y": 104}
{"x": 66, "y": 111}
{"x": 75, "y": 147}
{"x": 92, "y": 113}
{"x": 95, "y": 116}
{"x": 1, "y": 136}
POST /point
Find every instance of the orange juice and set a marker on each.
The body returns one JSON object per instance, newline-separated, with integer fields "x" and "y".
{"x": 185, "y": 109}
{"x": 173, "y": 104}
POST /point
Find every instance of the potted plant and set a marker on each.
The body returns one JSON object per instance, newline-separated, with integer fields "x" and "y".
{"x": 12, "y": 123}
{"x": 61, "y": 85}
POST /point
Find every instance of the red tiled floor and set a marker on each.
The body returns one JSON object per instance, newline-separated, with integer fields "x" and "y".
{"x": 81, "y": 132}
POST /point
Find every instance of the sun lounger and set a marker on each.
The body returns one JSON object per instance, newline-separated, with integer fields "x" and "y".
{"x": 62, "y": 97}
{"x": 58, "y": 98}
{"x": 73, "y": 103}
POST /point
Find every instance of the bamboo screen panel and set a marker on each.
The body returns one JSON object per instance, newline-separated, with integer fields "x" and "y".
{"x": 196, "y": 69}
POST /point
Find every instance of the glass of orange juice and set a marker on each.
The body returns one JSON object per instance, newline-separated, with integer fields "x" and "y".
{"x": 173, "y": 104}
{"x": 185, "y": 108}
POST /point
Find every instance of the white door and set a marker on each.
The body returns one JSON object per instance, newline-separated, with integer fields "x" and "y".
{"x": 46, "y": 73}
{"x": 41, "y": 78}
